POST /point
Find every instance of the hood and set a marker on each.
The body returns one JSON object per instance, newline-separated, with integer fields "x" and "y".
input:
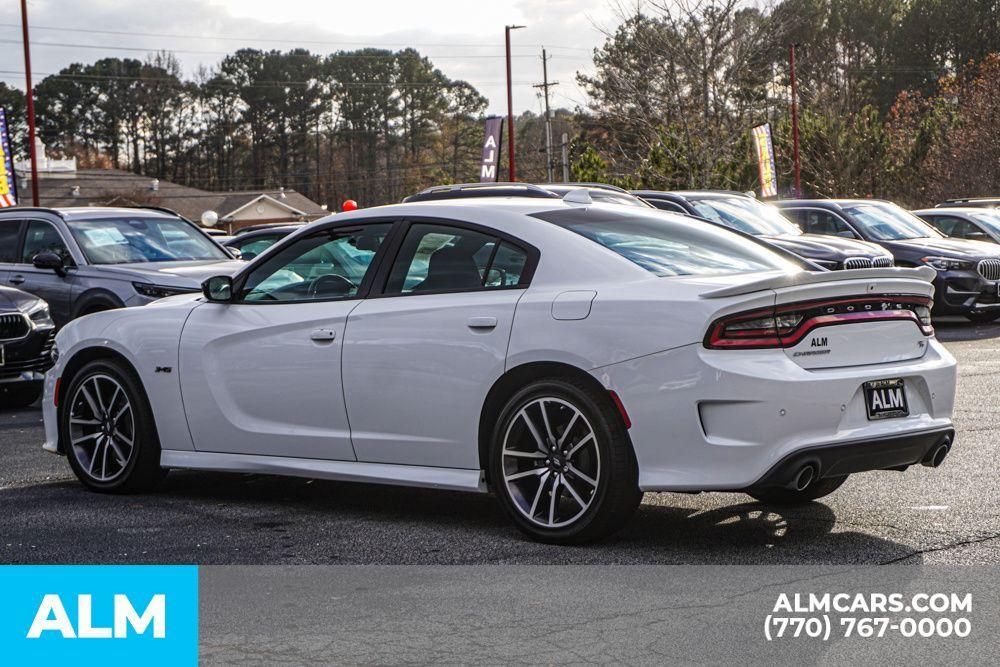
{"x": 15, "y": 300}
{"x": 825, "y": 247}
{"x": 947, "y": 247}
{"x": 174, "y": 274}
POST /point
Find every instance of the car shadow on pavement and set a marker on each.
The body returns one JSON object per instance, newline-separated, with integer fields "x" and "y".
{"x": 957, "y": 329}
{"x": 212, "y": 518}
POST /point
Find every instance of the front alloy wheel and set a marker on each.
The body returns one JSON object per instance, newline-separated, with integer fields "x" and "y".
{"x": 106, "y": 430}
{"x": 562, "y": 464}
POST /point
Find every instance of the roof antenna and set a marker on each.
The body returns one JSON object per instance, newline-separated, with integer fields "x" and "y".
{"x": 578, "y": 196}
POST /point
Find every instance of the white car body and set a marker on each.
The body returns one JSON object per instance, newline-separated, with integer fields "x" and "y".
{"x": 396, "y": 392}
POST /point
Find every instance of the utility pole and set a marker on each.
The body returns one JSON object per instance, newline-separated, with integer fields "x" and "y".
{"x": 29, "y": 95}
{"x": 512, "y": 173}
{"x": 545, "y": 85}
{"x": 795, "y": 124}
{"x": 565, "y": 157}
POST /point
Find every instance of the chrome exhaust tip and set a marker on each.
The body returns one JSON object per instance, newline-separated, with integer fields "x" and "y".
{"x": 805, "y": 477}
{"x": 937, "y": 455}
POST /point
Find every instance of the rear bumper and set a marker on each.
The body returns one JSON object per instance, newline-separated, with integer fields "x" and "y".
{"x": 886, "y": 453}
{"x": 721, "y": 420}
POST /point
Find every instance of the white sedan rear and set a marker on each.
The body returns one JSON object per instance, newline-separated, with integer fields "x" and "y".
{"x": 565, "y": 355}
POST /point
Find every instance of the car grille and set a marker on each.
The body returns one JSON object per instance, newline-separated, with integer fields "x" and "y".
{"x": 857, "y": 263}
{"x": 882, "y": 262}
{"x": 13, "y": 326}
{"x": 989, "y": 269}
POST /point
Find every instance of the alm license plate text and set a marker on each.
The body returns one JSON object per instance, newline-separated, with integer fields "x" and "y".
{"x": 886, "y": 399}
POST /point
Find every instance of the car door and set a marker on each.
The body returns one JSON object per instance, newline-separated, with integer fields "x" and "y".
{"x": 42, "y": 236}
{"x": 261, "y": 375}
{"x": 420, "y": 358}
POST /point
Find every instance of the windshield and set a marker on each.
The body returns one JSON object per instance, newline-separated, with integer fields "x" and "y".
{"x": 141, "y": 239}
{"x": 990, "y": 220}
{"x": 883, "y": 221}
{"x": 666, "y": 246}
{"x": 746, "y": 215}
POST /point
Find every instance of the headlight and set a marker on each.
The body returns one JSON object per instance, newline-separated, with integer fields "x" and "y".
{"x": 39, "y": 314}
{"x": 948, "y": 264}
{"x": 160, "y": 291}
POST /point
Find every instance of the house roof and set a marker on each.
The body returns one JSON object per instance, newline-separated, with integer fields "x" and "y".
{"x": 104, "y": 187}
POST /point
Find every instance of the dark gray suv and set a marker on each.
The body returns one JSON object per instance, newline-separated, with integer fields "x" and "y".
{"x": 88, "y": 259}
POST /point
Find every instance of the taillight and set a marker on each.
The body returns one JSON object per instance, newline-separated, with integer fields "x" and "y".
{"x": 786, "y": 325}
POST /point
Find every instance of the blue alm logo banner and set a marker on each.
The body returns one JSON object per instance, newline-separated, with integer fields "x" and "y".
{"x": 99, "y": 614}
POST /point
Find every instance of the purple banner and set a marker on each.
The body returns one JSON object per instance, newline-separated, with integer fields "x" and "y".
{"x": 489, "y": 169}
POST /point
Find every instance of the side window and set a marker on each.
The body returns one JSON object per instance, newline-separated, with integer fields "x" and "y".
{"x": 507, "y": 267}
{"x": 441, "y": 258}
{"x": 254, "y": 247}
{"x": 968, "y": 230}
{"x": 815, "y": 221}
{"x": 326, "y": 265}
{"x": 664, "y": 205}
{"x": 43, "y": 237}
{"x": 943, "y": 223}
{"x": 9, "y": 232}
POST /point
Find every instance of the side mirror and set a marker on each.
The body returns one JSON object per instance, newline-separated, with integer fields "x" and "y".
{"x": 847, "y": 234}
{"x": 218, "y": 289}
{"x": 247, "y": 256}
{"x": 50, "y": 261}
{"x": 236, "y": 252}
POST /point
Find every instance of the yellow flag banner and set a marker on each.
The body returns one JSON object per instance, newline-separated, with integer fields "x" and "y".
{"x": 765, "y": 160}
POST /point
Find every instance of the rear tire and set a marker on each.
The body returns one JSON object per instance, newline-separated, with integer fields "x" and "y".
{"x": 19, "y": 394}
{"x": 561, "y": 463}
{"x": 984, "y": 317}
{"x": 781, "y": 496}
{"x": 107, "y": 431}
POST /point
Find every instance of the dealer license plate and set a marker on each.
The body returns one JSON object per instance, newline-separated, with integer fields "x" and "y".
{"x": 886, "y": 399}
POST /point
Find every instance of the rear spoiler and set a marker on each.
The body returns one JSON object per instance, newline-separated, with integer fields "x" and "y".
{"x": 924, "y": 273}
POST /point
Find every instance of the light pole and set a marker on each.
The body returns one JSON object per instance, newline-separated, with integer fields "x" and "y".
{"x": 795, "y": 123}
{"x": 512, "y": 173}
{"x": 29, "y": 95}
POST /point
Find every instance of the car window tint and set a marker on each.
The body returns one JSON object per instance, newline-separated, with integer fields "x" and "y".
{"x": 9, "y": 230}
{"x": 326, "y": 265}
{"x": 815, "y": 221}
{"x": 435, "y": 258}
{"x": 43, "y": 237}
{"x": 944, "y": 223}
{"x": 253, "y": 247}
{"x": 667, "y": 245}
{"x": 507, "y": 267}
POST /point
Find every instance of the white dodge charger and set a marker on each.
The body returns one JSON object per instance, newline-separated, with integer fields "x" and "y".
{"x": 565, "y": 355}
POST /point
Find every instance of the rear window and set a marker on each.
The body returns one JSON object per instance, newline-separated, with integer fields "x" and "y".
{"x": 669, "y": 246}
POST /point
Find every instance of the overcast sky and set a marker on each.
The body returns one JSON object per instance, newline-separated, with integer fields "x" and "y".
{"x": 463, "y": 38}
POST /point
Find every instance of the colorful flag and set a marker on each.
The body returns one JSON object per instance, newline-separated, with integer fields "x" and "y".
{"x": 8, "y": 180}
{"x": 765, "y": 160}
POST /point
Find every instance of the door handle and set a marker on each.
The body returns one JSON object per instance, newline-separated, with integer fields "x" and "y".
{"x": 17, "y": 280}
{"x": 481, "y": 322}
{"x": 323, "y": 335}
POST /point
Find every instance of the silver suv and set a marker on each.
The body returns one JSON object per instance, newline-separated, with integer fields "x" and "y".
{"x": 88, "y": 259}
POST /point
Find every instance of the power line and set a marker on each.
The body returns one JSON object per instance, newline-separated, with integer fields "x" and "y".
{"x": 144, "y": 49}
{"x": 294, "y": 40}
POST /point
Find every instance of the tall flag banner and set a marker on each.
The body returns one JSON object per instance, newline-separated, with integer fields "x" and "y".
{"x": 8, "y": 180}
{"x": 489, "y": 168}
{"x": 765, "y": 160}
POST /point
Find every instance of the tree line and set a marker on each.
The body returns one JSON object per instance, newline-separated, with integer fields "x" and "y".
{"x": 897, "y": 100}
{"x": 894, "y": 96}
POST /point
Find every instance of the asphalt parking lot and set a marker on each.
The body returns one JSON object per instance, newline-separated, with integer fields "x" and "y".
{"x": 947, "y": 515}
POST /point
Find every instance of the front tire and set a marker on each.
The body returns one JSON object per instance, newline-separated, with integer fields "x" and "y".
{"x": 107, "y": 431}
{"x": 561, "y": 463}
{"x": 20, "y": 394}
{"x": 781, "y": 496}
